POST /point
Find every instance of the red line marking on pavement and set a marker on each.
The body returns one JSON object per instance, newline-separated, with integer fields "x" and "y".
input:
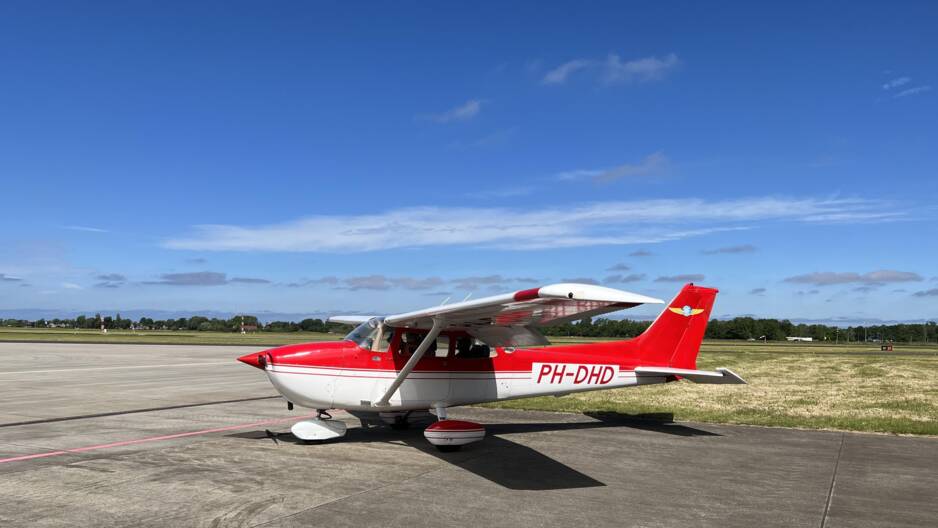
{"x": 152, "y": 439}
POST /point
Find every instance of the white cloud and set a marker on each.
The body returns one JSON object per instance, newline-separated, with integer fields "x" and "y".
{"x": 639, "y": 70}
{"x": 577, "y": 174}
{"x": 85, "y": 229}
{"x": 560, "y": 74}
{"x": 70, "y": 286}
{"x": 600, "y": 223}
{"x": 615, "y": 70}
{"x": 895, "y": 83}
{"x": 912, "y": 91}
{"x": 463, "y": 112}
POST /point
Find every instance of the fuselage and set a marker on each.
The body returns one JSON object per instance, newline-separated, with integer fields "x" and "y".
{"x": 346, "y": 375}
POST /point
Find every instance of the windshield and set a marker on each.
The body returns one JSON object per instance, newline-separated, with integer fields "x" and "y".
{"x": 365, "y": 333}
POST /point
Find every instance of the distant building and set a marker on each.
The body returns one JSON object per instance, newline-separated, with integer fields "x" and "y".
{"x": 800, "y": 339}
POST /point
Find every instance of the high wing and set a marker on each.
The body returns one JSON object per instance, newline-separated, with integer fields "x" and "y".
{"x": 509, "y": 319}
{"x": 350, "y": 319}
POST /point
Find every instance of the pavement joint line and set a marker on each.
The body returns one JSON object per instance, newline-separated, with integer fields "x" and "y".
{"x": 830, "y": 492}
{"x": 174, "y": 436}
{"x": 5, "y": 372}
{"x": 133, "y": 411}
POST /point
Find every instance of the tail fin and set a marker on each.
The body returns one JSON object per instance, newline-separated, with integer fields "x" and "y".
{"x": 673, "y": 340}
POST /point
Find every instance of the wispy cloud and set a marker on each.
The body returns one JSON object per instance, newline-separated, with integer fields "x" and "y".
{"x": 641, "y": 253}
{"x": 202, "y": 278}
{"x": 71, "y": 286}
{"x": 757, "y": 291}
{"x": 645, "y": 69}
{"x": 742, "y": 248}
{"x": 497, "y": 138}
{"x": 249, "y": 280}
{"x": 827, "y": 278}
{"x": 912, "y": 91}
{"x": 688, "y": 277}
{"x": 615, "y": 70}
{"x": 505, "y": 192}
{"x": 927, "y": 293}
{"x": 897, "y": 82}
{"x": 329, "y": 280}
{"x": 8, "y": 278}
{"x": 382, "y": 282}
{"x": 632, "y": 277}
{"x": 618, "y": 267}
{"x": 581, "y": 280}
{"x": 110, "y": 280}
{"x": 655, "y": 164}
{"x": 85, "y": 229}
{"x": 560, "y": 74}
{"x": 600, "y": 223}
{"x": 463, "y": 112}
{"x": 474, "y": 283}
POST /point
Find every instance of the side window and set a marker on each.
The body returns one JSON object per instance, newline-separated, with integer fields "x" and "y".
{"x": 411, "y": 340}
{"x": 442, "y": 346}
{"x": 469, "y": 348}
{"x": 384, "y": 339}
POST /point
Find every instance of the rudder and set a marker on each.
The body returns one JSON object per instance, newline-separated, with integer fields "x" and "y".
{"x": 674, "y": 338}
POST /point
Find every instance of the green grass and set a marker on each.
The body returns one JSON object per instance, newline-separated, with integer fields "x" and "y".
{"x": 846, "y": 386}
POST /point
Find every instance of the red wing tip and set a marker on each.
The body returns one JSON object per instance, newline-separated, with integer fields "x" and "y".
{"x": 527, "y": 295}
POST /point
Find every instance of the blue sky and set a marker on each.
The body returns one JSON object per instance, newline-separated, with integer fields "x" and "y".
{"x": 319, "y": 157}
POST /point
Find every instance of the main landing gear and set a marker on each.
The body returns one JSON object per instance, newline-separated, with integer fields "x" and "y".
{"x": 451, "y": 435}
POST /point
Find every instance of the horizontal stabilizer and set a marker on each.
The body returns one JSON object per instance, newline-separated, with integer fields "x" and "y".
{"x": 719, "y": 376}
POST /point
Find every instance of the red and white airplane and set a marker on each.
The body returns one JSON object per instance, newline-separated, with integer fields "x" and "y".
{"x": 399, "y": 367}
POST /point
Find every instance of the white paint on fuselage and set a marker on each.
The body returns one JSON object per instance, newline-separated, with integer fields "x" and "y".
{"x": 356, "y": 390}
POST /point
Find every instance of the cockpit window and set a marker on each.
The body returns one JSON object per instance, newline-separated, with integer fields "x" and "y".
{"x": 364, "y": 334}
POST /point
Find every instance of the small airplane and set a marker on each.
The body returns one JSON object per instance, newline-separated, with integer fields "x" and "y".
{"x": 396, "y": 369}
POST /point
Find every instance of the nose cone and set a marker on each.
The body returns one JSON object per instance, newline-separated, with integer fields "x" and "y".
{"x": 255, "y": 359}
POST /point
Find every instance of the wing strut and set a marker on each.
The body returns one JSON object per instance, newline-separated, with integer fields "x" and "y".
{"x": 412, "y": 362}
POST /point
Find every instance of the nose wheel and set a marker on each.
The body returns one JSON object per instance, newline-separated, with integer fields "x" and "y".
{"x": 322, "y": 427}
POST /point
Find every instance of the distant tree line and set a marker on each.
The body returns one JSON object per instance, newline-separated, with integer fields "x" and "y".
{"x": 739, "y": 328}
{"x": 759, "y": 329}
{"x": 195, "y": 323}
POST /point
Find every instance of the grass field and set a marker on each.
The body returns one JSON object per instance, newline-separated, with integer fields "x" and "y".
{"x": 813, "y": 385}
{"x": 160, "y": 337}
{"x": 848, "y": 387}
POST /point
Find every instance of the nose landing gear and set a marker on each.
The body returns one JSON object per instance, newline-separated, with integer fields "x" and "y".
{"x": 322, "y": 427}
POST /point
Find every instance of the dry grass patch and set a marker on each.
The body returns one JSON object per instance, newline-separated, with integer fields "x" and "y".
{"x": 821, "y": 389}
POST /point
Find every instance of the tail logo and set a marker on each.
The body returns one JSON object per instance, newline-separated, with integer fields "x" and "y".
{"x": 686, "y": 311}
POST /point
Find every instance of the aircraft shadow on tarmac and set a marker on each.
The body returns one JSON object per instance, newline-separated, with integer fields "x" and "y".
{"x": 500, "y": 460}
